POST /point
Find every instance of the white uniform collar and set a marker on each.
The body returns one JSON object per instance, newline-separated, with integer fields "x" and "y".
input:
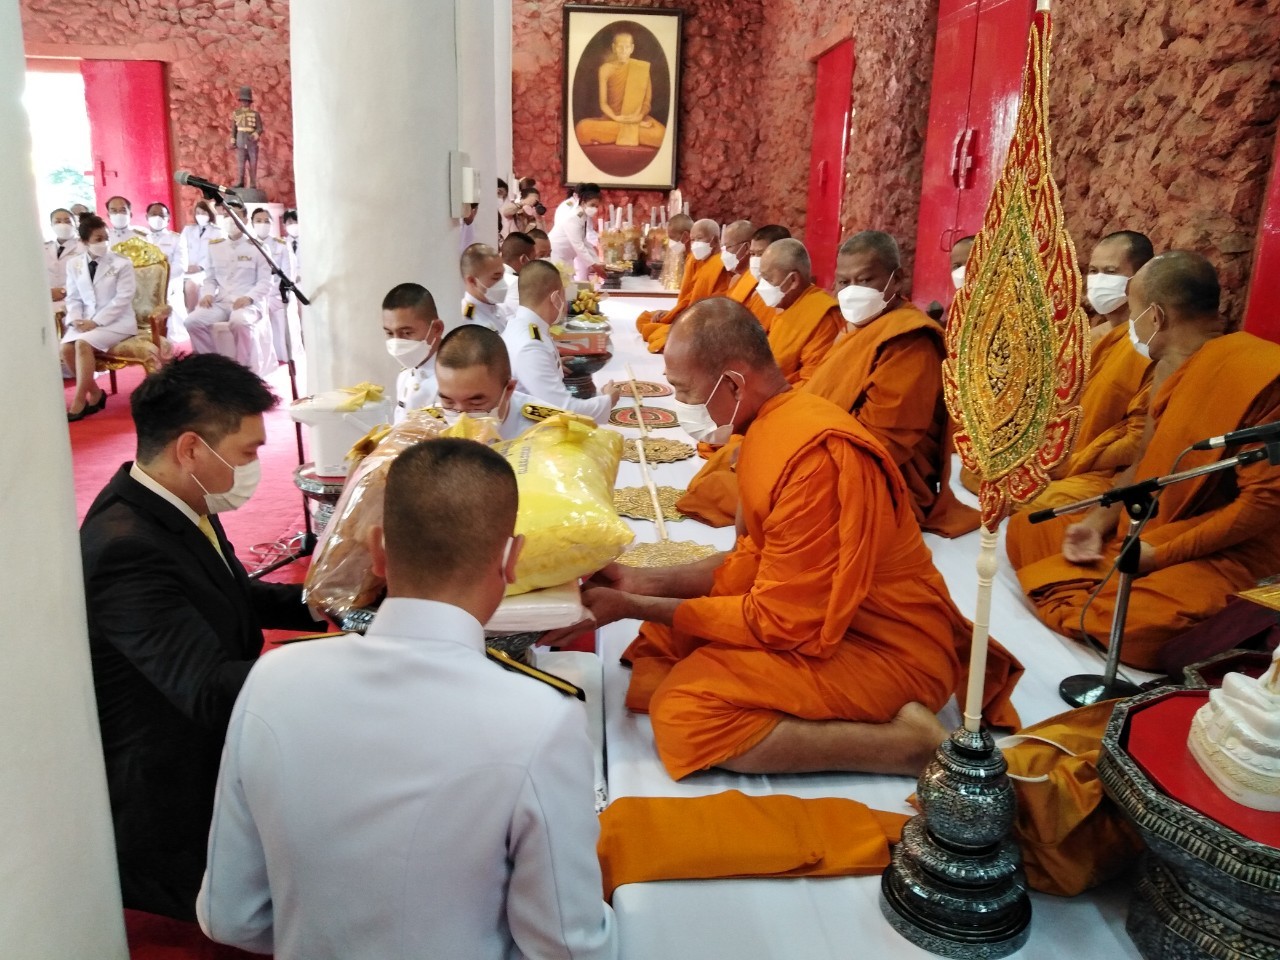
{"x": 163, "y": 492}
{"x": 427, "y": 620}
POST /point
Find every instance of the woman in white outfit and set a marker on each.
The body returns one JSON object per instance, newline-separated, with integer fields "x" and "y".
{"x": 100, "y": 288}
{"x": 570, "y": 243}
{"x": 196, "y": 236}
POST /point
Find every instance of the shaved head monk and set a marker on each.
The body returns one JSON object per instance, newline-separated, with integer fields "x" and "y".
{"x": 473, "y": 376}
{"x": 807, "y": 318}
{"x": 485, "y": 286}
{"x": 960, "y": 260}
{"x": 886, "y": 370}
{"x": 1115, "y": 401}
{"x": 1212, "y": 536}
{"x": 736, "y": 254}
{"x": 825, "y": 640}
{"x": 704, "y": 276}
{"x": 541, "y": 244}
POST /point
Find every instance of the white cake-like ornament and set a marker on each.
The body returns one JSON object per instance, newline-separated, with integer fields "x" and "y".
{"x": 1235, "y": 737}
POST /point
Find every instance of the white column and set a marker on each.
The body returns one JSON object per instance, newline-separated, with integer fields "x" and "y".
{"x": 59, "y": 892}
{"x": 376, "y": 94}
{"x": 502, "y": 42}
{"x": 477, "y": 108}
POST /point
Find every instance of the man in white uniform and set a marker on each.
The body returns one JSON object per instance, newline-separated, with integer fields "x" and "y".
{"x": 58, "y": 252}
{"x": 174, "y": 247}
{"x": 516, "y": 249}
{"x": 413, "y": 329}
{"x": 399, "y": 794}
{"x": 119, "y": 213}
{"x": 473, "y": 376}
{"x": 237, "y": 284}
{"x": 485, "y": 285}
{"x": 535, "y": 361}
{"x": 575, "y": 219}
{"x": 261, "y": 223}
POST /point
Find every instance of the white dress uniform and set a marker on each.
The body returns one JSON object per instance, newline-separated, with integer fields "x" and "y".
{"x": 511, "y": 304}
{"x": 107, "y": 300}
{"x": 535, "y": 363}
{"x": 175, "y": 251}
{"x": 415, "y": 389}
{"x": 482, "y": 314}
{"x": 280, "y": 253}
{"x": 401, "y": 795}
{"x": 119, "y": 234}
{"x": 235, "y": 269}
{"x": 57, "y": 254}
{"x": 197, "y": 240}
{"x": 570, "y": 243}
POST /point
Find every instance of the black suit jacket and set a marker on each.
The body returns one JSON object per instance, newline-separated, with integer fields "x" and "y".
{"x": 172, "y": 635}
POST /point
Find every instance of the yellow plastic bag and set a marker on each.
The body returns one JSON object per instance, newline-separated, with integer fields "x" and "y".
{"x": 565, "y": 470}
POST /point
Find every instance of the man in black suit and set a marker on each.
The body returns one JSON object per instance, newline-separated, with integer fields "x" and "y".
{"x": 174, "y": 622}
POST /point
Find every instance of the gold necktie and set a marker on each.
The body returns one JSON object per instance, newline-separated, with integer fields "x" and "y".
{"x": 207, "y": 529}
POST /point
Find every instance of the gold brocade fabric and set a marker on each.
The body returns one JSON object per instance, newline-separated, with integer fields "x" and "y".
{"x": 657, "y": 450}
{"x": 666, "y": 553}
{"x": 1017, "y": 338}
{"x": 635, "y": 502}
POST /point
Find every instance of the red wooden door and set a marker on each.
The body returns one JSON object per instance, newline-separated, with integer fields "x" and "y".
{"x": 832, "y": 104}
{"x": 977, "y": 81}
{"x": 129, "y": 132}
{"x": 948, "y": 123}
{"x": 1262, "y": 315}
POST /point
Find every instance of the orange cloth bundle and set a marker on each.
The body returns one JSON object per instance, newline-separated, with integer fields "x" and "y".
{"x": 734, "y": 835}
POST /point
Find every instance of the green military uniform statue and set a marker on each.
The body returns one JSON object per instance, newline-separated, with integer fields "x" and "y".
{"x": 246, "y": 128}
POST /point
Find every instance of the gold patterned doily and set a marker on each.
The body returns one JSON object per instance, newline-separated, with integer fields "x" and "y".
{"x": 658, "y": 450}
{"x": 647, "y": 388}
{"x": 666, "y": 553}
{"x": 635, "y": 502}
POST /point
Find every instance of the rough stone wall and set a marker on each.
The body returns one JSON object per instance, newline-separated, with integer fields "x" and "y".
{"x": 1165, "y": 122}
{"x": 217, "y": 45}
{"x": 719, "y": 126}
{"x": 893, "y": 62}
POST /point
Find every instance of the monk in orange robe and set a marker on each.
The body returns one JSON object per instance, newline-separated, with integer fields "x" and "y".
{"x": 826, "y": 640}
{"x": 1212, "y": 536}
{"x": 678, "y": 231}
{"x": 743, "y": 290}
{"x": 706, "y": 275}
{"x": 887, "y": 371}
{"x": 808, "y": 319}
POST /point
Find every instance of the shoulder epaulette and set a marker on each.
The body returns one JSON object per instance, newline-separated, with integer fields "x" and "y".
{"x": 470, "y": 311}
{"x": 534, "y": 331}
{"x": 538, "y": 411}
{"x": 550, "y": 679}
{"x": 217, "y": 239}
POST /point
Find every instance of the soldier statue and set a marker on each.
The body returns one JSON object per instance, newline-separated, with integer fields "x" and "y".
{"x": 246, "y": 128}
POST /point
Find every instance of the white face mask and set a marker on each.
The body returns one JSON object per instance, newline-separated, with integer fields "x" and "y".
{"x": 498, "y": 292}
{"x": 291, "y": 229}
{"x": 731, "y": 260}
{"x": 1142, "y": 346}
{"x": 202, "y": 219}
{"x": 771, "y": 295}
{"x": 157, "y": 223}
{"x": 754, "y": 266}
{"x": 957, "y": 277}
{"x": 860, "y": 305}
{"x": 411, "y": 354}
{"x": 675, "y": 246}
{"x": 98, "y": 250}
{"x": 224, "y": 224}
{"x": 119, "y": 220}
{"x": 1106, "y": 291}
{"x": 451, "y": 416}
{"x": 697, "y": 422}
{"x": 63, "y": 231}
{"x": 262, "y": 230}
{"x": 244, "y": 481}
{"x": 700, "y": 249}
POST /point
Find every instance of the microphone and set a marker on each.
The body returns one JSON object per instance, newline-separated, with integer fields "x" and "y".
{"x": 191, "y": 180}
{"x": 1265, "y": 431}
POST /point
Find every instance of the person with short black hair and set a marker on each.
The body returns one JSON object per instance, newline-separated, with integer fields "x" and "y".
{"x": 119, "y": 213}
{"x": 541, "y": 244}
{"x": 196, "y": 236}
{"x": 484, "y": 286}
{"x": 473, "y": 376}
{"x": 261, "y": 223}
{"x": 100, "y": 288}
{"x": 59, "y": 251}
{"x": 171, "y": 243}
{"x": 571, "y": 233}
{"x": 174, "y": 621}
{"x": 414, "y": 329}
{"x": 516, "y": 250}
{"x": 458, "y": 792}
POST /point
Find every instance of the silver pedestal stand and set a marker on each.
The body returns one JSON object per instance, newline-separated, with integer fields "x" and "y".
{"x": 955, "y": 886}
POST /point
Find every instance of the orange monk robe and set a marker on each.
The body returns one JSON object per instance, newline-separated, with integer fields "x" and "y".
{"x": 888, "y": 374}
{"x": 647, "y": 320}
{"x": 801, "y": 335}
{"x": 1212, "y": 536}
{"x": 743, "y": 291}
{"x": 828, "y": 608}
{"x": 702, "y": 279}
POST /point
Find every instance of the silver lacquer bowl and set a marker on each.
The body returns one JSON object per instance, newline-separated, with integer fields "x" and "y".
{"x": 966, "y": 792}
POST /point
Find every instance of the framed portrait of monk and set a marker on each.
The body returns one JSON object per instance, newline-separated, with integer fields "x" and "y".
{"x": 622, "y": 91}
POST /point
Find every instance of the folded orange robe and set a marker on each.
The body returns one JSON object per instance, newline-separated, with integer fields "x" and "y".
{"x": 705, "y": 278}
{"x": 828, "y": 608}
{"x": 731, "y": 834}
{"x": 1113, "y": 420}
{"x": 1212, "y": 537}
{"x": 743, "y": 291}
{"x": 888, "y": 374}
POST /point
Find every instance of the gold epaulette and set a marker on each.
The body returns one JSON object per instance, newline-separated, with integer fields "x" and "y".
{"x": 470, "y": 311}
{"x": 217, "y": 239}
{"x": 540, "y": 412}
{"x": 534, "y": 331}
{"x": 550, "y": 679}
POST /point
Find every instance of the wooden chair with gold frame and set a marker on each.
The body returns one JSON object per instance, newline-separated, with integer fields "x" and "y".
{"x": 150, "y": 346}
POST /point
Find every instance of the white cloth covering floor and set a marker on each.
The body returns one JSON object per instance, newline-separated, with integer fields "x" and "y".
{"x": 813, "y": 919}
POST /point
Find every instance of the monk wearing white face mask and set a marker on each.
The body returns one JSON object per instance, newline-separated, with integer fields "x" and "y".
{"x": 704, "y": 276}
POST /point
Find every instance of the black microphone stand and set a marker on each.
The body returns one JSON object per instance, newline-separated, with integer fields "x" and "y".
{"x": 1140, "y": 503}
{"x": 306, "y": 538}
